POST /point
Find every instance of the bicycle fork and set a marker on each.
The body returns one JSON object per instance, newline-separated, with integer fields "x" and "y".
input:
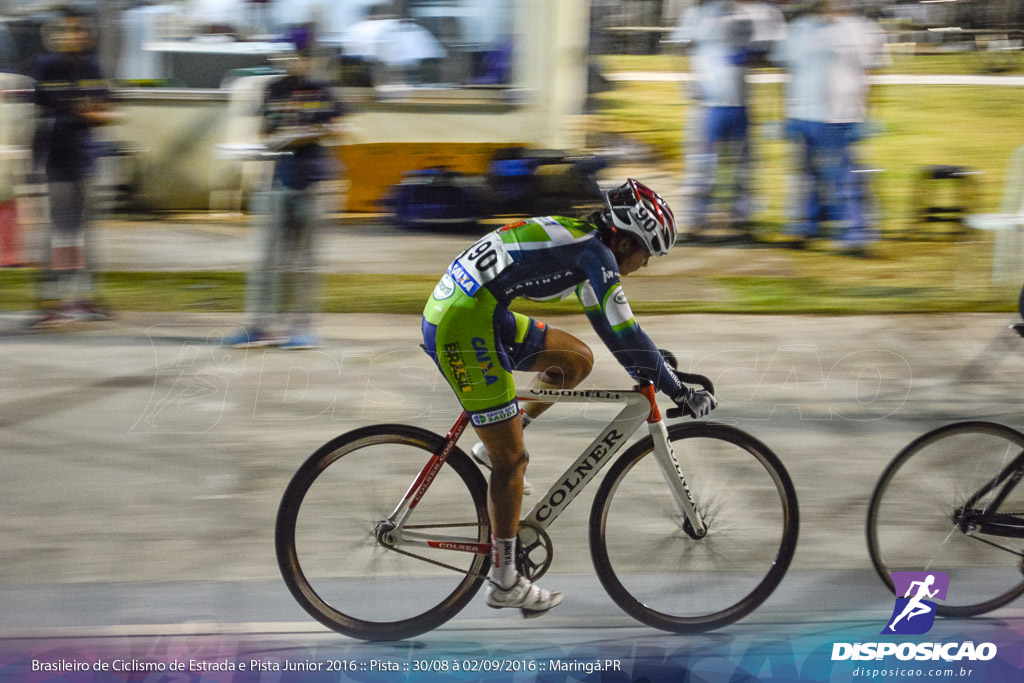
{"x": 673, "y": 475}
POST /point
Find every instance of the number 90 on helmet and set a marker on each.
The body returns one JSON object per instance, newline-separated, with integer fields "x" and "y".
{"x": 639, "y": 210}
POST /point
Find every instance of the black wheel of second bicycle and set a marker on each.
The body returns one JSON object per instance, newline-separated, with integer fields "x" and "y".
{"x": 915, "y": 511}
{"x": 651, "y": 565}
{"x": 327, "y": 534}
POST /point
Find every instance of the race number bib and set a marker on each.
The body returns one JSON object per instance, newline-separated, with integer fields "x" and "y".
{"x": 480, "y": 264}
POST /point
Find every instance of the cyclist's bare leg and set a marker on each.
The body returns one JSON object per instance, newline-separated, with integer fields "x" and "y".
{"x": 504, "y": 504}
{"x": 504, "y": 442}
{"x": 564, "y": 362}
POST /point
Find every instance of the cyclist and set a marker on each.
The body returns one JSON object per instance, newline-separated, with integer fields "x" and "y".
{"x": 477, "y": 341}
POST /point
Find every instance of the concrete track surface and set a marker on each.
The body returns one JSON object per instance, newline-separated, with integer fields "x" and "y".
{"x": 144, "y": 463}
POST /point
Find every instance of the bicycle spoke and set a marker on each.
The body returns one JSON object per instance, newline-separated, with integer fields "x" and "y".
{"x": 329, "y": 555}
{"x": 660, "y": 574}
{"x": 327, "y": 534}
{"x": 926, "y": 514}
{"x": 458, "y": 570}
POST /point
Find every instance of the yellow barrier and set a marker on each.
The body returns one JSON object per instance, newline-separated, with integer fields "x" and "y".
{"x": 373, "y": 168}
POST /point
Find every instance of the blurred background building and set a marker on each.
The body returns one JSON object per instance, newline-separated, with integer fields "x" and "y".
{"x": 636, "y": 26}
{"x": 428, "y": 82}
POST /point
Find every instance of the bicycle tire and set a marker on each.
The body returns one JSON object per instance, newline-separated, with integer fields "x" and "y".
{"x": 911, "y": 532}
{"x": 324, "y": 530}
{"x": 646, "y": 575}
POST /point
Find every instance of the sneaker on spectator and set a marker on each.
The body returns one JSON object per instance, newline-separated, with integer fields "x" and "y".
{"x": 298, "y": 342}
{"x": 254, "y": 339}
{"x": 87, "y": 311}
{"x": 47, "y": 318}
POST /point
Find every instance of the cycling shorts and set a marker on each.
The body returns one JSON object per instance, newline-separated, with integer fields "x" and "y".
{"x": 477, "y": 343}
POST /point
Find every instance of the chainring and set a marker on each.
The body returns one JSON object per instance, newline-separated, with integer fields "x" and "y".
{"x": 535, "y": 551}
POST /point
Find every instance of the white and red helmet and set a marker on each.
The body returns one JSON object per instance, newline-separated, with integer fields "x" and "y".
{"x": 639, "y": 210}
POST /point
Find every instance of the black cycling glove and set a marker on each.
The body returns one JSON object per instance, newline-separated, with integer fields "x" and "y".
{"x": 696, "y": 404}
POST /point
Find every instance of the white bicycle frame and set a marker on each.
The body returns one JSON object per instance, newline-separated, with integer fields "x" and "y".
{"x": 640, "y": 407}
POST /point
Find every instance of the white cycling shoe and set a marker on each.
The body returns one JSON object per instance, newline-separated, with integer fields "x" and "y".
{"x": 531, "y": 599}
{"x": 481, "y": 455}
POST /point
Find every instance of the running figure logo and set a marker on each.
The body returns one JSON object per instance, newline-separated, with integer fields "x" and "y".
{"x": 914, "y": 612}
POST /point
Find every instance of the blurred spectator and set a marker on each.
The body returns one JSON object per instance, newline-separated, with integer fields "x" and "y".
{"x": 495, "y": 67}
{"x": 16, "y": 124}
{"x": 260, "y": 17}
{"x": 829, "y": 55}
{"x": 283, "y": 284}
{"x": 392, "y": 49}
{"x": 72, "y": 98}
{"x": 23, "y": 41}
{"x": 141, "y": 26}
{"x": 728, "y": 38}
{"x": 8, "y": 49}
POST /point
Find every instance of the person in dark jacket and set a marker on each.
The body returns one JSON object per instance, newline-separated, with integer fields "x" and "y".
{"x": 282, "y": 290}
{"x": 72, "y": 99}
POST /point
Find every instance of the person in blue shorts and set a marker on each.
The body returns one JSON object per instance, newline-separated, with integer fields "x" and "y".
{"x": 830, "y": 55}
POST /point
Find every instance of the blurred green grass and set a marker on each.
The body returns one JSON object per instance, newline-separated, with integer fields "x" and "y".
{"x": 917, "y": 267}
{"x": 918, "y": 125}
{"x": 900, "y": 278}
{"x": 902, "y": 63}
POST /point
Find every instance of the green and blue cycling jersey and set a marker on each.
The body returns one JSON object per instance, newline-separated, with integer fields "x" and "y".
{"x": 477, "y": 341}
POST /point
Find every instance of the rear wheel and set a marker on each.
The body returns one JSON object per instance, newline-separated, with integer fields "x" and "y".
{"x": 330, "y": 519}
{"x": 654, "y": 568}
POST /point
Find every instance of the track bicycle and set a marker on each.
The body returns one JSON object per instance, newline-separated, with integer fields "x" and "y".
{"x": 383, "y": 533}
{"x": 950, "y": 501}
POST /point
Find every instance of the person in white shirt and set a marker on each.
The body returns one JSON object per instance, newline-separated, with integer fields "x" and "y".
{"x": 829, "y": 56}
{"x": 727, "y": 38}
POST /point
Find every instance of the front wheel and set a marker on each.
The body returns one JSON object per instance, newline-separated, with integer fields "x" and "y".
{"x": 649, "y": 563}
{"x": 918, "y": 518}
{"x": 327, "y": 534}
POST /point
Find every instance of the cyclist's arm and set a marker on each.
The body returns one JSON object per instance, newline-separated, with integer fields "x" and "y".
{"x": 609, "y": 313}
{"x": 560, "y": 296}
